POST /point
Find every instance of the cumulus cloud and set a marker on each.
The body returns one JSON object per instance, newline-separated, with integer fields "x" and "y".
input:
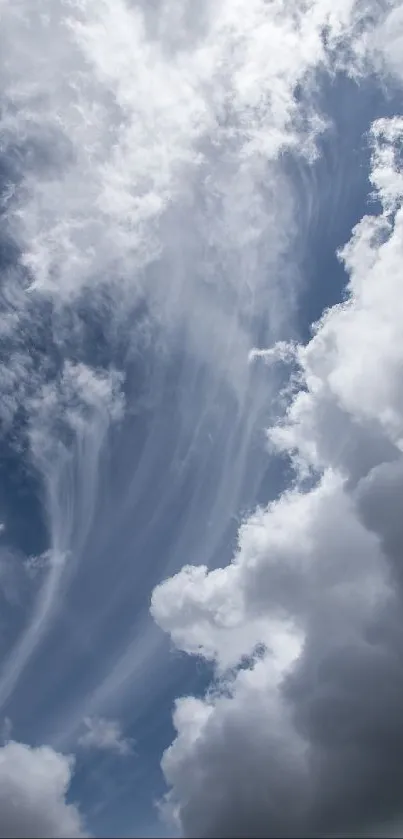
{"x": 106, "y": 735}
{"x": 305, "y": 738}
{"x": 6, "y": 729}
{"x": 34, "y": 783}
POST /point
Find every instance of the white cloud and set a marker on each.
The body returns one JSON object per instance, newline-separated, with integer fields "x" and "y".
{"x": 282, "y": 351}
{"x": 387, "y": 41}
{"x": 34, "y": 783}
{"x": 136, "y": 116}
{"x": 309, "y": 743}
{"x": 69, "y": 420}
{"x": 134, "y": 138}
{"x": 6, "y": 729}
{"x": 106, "y": 735}
{"x": 352, "y": 366}
{"x": 138, "y": 121}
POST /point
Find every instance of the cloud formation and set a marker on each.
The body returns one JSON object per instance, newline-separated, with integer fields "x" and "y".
{"x": 105, "y": 735}
{"x": 305, "y": 738}
{"x": 34, "y": 783}
{"x": 142, "y": 170}
{"x": 148, "y": 215}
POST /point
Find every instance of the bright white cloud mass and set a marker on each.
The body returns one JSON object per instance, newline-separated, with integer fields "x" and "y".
{"x": 201, "y": 406}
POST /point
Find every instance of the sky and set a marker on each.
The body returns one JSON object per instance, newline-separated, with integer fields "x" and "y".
{"x": 201, "y": 418}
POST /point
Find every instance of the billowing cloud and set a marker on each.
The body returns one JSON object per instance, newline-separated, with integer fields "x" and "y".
{"x": 305, "y": 738}
{"x": 106, "y": 735}
{"x": 34, "y": 783}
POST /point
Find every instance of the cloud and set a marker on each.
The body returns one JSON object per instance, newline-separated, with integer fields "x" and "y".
{"x": 68, "y": 421}
{"x": 145, "y": 118}
{"x": 106, "y": 735}
{"x": 143, "y": 150}
{"x": 6, "y": 729}
{"x": 34, "y": 783}
{"x": 282, "y": 351}
{"x": 305, "y": 738}
{"x": 142, "y": 165}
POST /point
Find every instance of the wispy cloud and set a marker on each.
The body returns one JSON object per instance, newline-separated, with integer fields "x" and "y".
{"x": 33, "y": 788}
{"x": 68, "y": 423}
{"x": 143, "y": 166}
{"x": 106, "y": 735}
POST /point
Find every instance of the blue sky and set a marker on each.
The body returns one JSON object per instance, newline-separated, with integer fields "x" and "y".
{"x": 176, "y": 184}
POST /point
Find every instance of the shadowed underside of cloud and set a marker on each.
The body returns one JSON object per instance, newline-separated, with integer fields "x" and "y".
{"x": 306, "y": 740}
